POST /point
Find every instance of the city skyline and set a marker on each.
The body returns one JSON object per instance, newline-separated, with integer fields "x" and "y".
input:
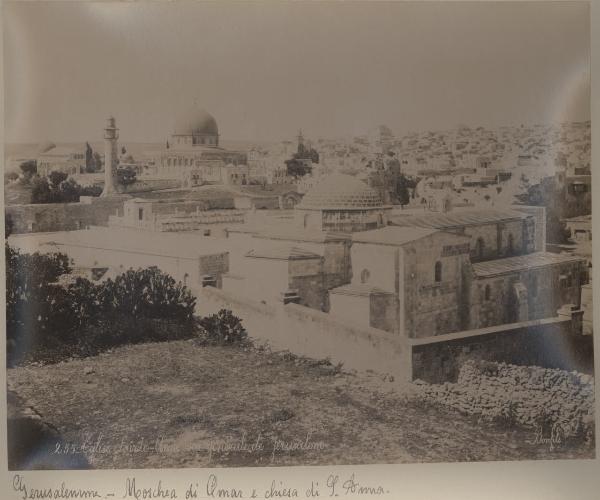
{"x": 265, "y": 73}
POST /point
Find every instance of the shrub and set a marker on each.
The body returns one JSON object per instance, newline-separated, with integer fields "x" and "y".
{"x": 147, "y": 293}
{"x": 49, "y": 319}
{"x": 223, "y": 328}
{"x": 57, "y": 188}
{"x": 28, "y": 169}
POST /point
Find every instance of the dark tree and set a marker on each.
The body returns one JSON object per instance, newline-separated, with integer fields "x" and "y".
{"x": 69, "y": 191}
{"x": 50, "y": 316}
{"x": 35, "y": 304}
{"x": 402, "y": 190}
{"x": 56, "y": 178}
{"x": 147, "y": 293}
{"x": 90, "y": 164}
{"x": 29, "y": 169}
{"x": 59, "y": 189}
{"x": 223, "y": 327}
{"x": 40, "y": 191}
{"x": 298, "y": 168}
{"x": 97, "y": 162}
{"x": 126, "y": 175}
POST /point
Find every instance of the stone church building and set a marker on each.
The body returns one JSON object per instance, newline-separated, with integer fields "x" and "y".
{"x": 416, "y": 275}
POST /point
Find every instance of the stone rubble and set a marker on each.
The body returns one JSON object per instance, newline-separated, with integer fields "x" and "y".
{"x": 529, "y": 396}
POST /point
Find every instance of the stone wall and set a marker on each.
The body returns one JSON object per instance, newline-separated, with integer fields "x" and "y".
{"x": 539, "y": 225}
{"x": 495, "y": 238}
{"x": 550, "y": 400}
{"x": 552, "y": 343}
{"x": 311, "y": 290}
{"x": 545, "y": 294}
{"x": 382, "y": 311}
{"x": 312, "y": 333}
{"x": 434, "y": 307}
{"x": 49, "y": 217}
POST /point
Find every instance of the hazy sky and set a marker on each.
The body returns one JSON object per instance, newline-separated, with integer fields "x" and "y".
{"x": 265, "y": 70}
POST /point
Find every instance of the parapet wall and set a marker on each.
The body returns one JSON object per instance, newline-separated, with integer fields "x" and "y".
{"x": 550, "y": 343}
{"x": 312, "y": 333}
{"x": 50, "y": 217}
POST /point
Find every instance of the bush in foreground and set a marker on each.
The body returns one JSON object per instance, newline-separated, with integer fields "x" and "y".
{"x": 223, "y": 328}
{"x": 49, "y": 320}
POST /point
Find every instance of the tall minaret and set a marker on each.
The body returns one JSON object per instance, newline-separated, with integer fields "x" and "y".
{"x": 111, "y": 134}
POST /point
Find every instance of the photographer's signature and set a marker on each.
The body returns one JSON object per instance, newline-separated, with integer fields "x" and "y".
{"x": 553, "y": 437}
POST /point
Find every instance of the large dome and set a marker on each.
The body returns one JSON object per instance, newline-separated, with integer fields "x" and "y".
{"x": 195, "y": 121}
{"x": 340, "y": 191}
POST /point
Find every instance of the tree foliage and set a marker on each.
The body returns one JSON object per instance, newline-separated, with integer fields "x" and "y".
{"x": 223, "y": 327}
{"x": 97, "y": 161}
{"x": 298, "y": 168}
{"x": 29, "y": 169}
{"x": 59, "y": 188}
{"x": 126, "y": 175}
{"x": 56, "y": 177}
{"x": 147, "y": 293}
{"x": 403, "y": 186}
{"x": 34, "y": 302}
{"x": 48, "y": 317}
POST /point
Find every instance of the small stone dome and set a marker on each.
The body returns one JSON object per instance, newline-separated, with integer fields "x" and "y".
{"x": 341, "y": 191}
{"x": 196, "y": 121}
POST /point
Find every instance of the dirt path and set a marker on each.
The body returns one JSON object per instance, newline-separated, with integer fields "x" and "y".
{"x": 183, "y": 405}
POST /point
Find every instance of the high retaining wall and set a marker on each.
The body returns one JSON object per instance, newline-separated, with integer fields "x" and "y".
{"x": 50, "y": 217}
{"x": 550, "y": 343}
{"x": 312, "y": 333}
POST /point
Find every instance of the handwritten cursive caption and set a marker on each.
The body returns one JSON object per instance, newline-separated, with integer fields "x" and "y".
{"x": 332, "y": 485}
{"x": 98, "y": 444}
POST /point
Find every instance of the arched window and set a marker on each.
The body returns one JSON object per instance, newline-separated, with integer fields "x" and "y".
{"x": 438, "y": 271}
{"x": 488, "y": 292}
{"x": 534, "y": 286}
{"x": 364, "y": 275}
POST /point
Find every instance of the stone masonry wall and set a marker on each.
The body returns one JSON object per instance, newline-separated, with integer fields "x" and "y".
{"x": 555, "y": 402}
{"x": 312, "y": 333}
{"x": 547, "y": 343}
{"x": 49, "y": 217}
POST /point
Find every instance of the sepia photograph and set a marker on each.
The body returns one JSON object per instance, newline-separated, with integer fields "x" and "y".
{"x": 269, "y": 234}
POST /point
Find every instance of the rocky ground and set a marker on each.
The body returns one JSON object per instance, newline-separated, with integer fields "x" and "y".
{"x": 181, "y": 404}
